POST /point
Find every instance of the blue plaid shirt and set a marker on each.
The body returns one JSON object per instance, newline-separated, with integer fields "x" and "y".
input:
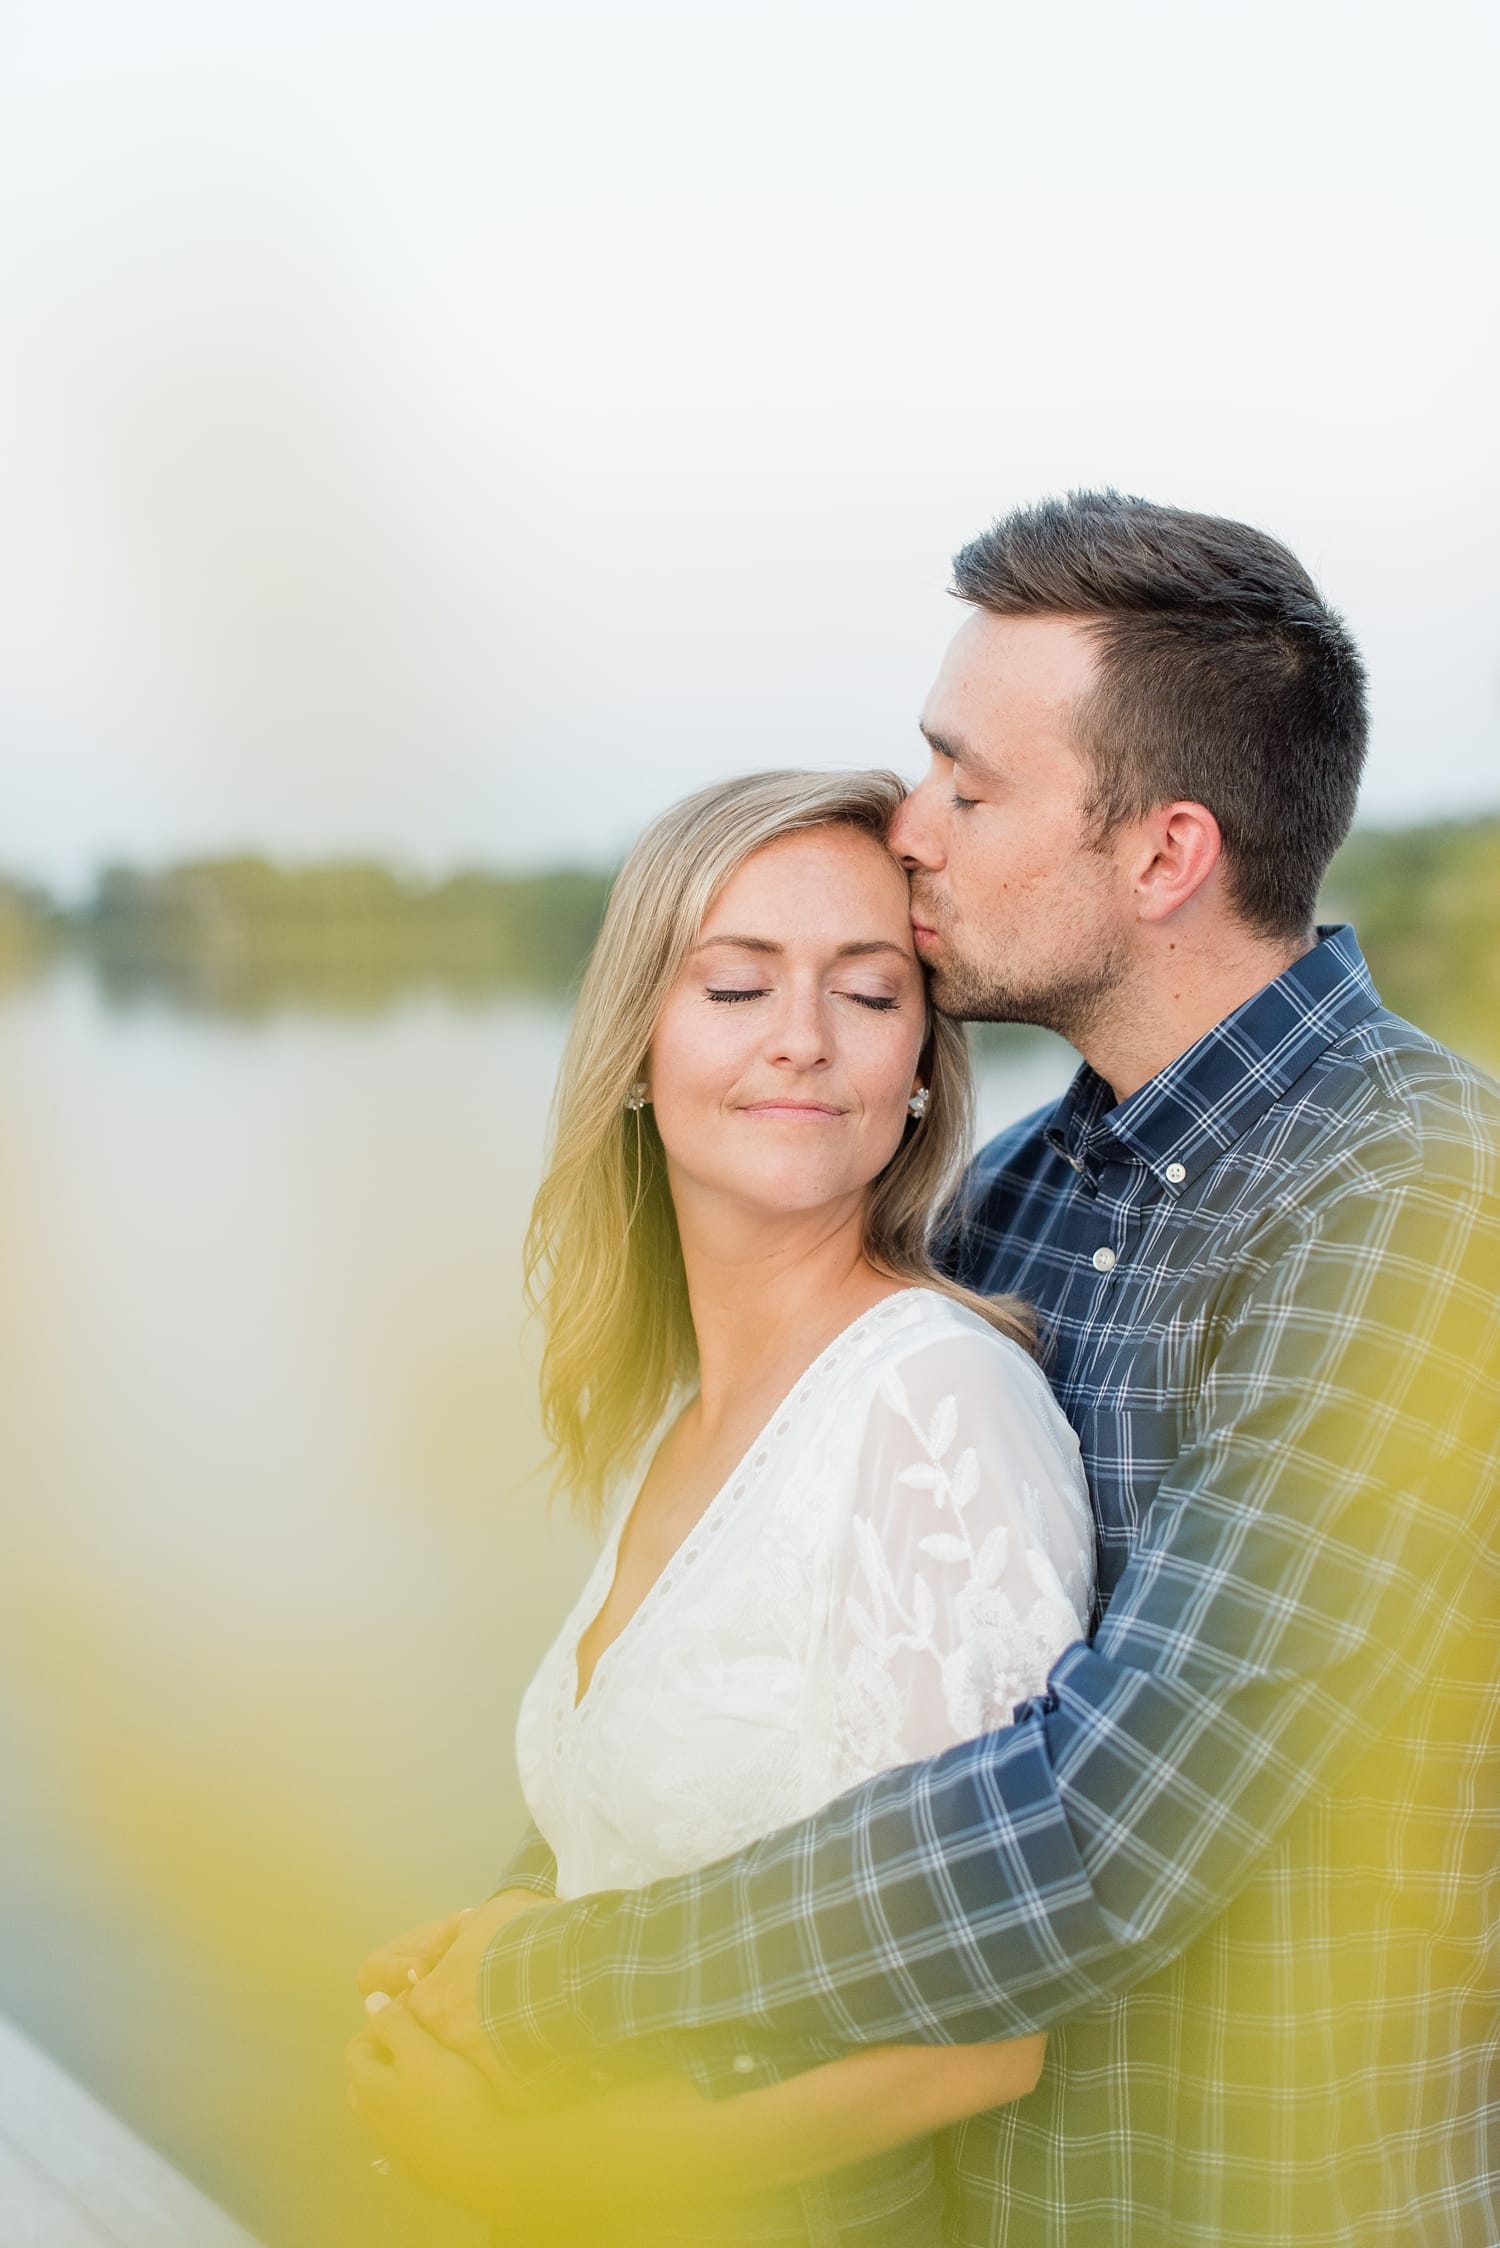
{"x": 1242, "y": 1858}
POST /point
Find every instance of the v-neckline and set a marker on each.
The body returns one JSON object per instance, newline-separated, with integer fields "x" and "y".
{"x": 745, "y": 1472}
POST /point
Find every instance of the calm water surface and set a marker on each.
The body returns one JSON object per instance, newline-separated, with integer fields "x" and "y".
{"x": 277, "y": 1560}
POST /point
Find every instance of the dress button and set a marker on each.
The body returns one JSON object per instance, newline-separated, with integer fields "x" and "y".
{"x": 743, "y": 2063}
{"x": 1176, "y": 1173}
{"x": 1104, "y": 1260}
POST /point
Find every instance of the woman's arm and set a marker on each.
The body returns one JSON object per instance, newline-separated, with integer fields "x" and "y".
{"x": 625, "y": 2156}
{"x": 849, "y": 2109}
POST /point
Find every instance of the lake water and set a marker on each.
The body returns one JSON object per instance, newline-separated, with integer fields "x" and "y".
{"x": 277, "y": 1562}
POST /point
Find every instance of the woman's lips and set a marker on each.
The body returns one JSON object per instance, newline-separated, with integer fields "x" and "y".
{"x": 810, "y": 1109}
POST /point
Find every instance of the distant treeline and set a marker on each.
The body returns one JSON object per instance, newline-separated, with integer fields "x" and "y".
{"x": 1426, "y": 904}
{"x": 245, "y": 934}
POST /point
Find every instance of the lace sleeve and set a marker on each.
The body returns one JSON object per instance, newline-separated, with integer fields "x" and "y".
{"x": 966, "y": 1565}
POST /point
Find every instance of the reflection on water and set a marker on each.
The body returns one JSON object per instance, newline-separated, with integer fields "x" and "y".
{"x": 278, "y": 1561}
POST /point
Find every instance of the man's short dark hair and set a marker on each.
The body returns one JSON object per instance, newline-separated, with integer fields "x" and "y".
{"x": 1224, "y": 679}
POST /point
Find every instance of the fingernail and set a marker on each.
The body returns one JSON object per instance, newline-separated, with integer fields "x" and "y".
{"x": 376, "y": 2000}
{"x": 412, "y": 1976}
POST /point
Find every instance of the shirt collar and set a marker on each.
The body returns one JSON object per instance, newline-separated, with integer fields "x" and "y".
{"x": 1182, "y": 1119}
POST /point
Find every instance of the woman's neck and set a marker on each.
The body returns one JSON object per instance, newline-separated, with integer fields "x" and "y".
{"x": 767, "y": 1293}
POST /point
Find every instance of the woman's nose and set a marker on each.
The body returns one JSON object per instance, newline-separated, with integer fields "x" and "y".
{"x": 799, "y": 1034}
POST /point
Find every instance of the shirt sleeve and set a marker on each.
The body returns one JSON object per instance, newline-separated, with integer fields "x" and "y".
{"x": 1291, "y": 1587}
{"x": 965, "y": 1567}
{"x": 531, "y": 1866}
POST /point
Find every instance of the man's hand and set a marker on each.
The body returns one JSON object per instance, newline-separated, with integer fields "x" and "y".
{"x": 445, "y": 1999}
{"x": 395, "y": 1966}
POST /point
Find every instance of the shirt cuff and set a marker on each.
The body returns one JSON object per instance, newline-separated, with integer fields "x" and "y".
{"x": 723, "y": 2073}
{"x": 528, "y": 1985}
{"x": 529, "y": 1993}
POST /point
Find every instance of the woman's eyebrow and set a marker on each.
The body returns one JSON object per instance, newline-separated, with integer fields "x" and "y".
{"x": 857, "y": 948}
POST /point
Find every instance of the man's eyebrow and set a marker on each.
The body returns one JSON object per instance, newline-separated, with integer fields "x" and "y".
{"x": 857, "y": 947}
{"x": 944, "y": 745}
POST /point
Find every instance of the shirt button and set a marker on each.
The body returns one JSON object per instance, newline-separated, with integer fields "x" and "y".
{"x": 743, "y": 2063}
{"x": 1176, "y": 1173}
{"x": 1104, "y": 1260}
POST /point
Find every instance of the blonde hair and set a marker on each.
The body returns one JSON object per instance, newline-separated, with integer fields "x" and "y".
{"x": 603, "y": 1261}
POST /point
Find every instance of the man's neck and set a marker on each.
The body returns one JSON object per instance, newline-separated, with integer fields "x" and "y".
{"x": 1176, "y": 999}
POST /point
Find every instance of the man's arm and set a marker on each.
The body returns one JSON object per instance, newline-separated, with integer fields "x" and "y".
{"x": 531, "y": 1866}
{"x": 1292, "y": 1584}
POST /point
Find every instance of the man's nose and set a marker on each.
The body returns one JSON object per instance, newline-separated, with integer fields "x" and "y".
{"x": 912, "y": 836}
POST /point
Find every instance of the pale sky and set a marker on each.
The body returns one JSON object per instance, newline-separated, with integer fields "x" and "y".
{"x": 451, "y": 431}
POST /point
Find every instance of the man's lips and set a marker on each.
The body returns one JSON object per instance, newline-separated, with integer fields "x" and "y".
{"x": 923, "y": 930}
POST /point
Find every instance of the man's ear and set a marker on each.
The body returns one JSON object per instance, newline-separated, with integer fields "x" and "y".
{"x": 1180, "y": 846}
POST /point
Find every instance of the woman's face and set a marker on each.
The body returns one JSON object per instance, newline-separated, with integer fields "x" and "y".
{"x": 787, "y": 1049}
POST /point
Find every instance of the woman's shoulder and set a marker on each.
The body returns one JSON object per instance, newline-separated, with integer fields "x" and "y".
{"x": 926, "y": 1340}
{"x": 927, "y": 1322}
{"x": 950, "y": 1406}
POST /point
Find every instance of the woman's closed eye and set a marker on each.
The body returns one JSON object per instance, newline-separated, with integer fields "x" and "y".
{"x": 728, "y": 995}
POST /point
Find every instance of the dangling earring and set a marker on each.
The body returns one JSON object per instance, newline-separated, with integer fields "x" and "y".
{"x": 917, "y": 1105}
{"x": 636, "y": 1097}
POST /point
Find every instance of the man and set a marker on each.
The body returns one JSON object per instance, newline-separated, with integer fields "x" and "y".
{"x": 1240, "y": 1859}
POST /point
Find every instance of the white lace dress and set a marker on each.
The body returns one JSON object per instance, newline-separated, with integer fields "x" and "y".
{"x": 898, "y": 1559}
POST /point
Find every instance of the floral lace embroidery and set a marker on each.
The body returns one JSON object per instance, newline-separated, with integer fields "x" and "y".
{"x": 898, "y": 1562}
{"x": 998, "y": 1645}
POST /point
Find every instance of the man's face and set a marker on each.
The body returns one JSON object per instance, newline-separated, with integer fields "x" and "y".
{"x": 1018, "y": 917}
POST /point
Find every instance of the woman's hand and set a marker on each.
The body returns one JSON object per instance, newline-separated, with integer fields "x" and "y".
{"x": 535, "y": 2179}
{"x": 433, "y": 2114}
{"x": 605, "y": 2169}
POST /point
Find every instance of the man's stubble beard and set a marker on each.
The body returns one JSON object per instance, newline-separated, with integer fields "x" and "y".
{"x": 1070, "y": 1002}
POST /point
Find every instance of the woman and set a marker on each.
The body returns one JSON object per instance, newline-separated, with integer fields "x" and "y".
{"x": 863, "y": 1535}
